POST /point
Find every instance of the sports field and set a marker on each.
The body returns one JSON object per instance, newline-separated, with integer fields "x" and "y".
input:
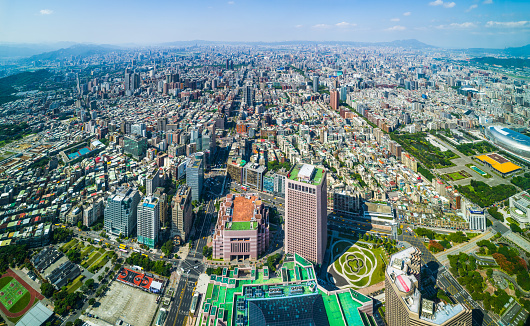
{"x": 11, "y": 292}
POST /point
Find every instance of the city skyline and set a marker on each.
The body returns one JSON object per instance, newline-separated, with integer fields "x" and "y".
{"x": 451, "y": 24}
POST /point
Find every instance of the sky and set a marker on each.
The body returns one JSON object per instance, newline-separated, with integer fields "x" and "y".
{"x": 444, "y": 23}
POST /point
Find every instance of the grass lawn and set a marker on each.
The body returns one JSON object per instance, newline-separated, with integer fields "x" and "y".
{"x": 91, "y": 259}
{"x": 68, "y": 245}
{"x": 76, "y": 284}
{"x": 4, "y": 281}
{"x": 459, "y": 175}
{"x": 86, "y": 251}
{"x": 99, "y": 263}
{"x": 21, "y": 304}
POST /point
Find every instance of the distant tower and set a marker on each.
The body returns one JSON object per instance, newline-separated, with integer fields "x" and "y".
{"x": 195, "y": 176}
{"x": 248, "y": 95}
{"x": 148, "y": 221}
{"x": 334, "y": 100}
{"x": 315, "y": 84}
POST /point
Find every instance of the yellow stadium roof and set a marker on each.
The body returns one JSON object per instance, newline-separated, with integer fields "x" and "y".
{"x": 501, "y": 167}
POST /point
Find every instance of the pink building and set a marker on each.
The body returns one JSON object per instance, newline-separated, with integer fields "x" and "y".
{"x": 306, "y": 212}
{"x": 242, "y": 229}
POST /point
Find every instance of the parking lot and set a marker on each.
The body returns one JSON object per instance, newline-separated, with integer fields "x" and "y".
{"x": 124, "y": 302}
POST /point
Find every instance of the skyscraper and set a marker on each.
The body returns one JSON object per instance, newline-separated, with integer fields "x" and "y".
{"x": 182, "y": 215}
{"x": 334, "y": 100}
{"x": 248, "y": 95}
{"x": 195, "y": 176}
{"x": 403, "y": 301}
{"x": 306, "y": 212}
{"x": 148, "y": 221}
{"x": 315, "y": 84}
{"x": 120, "y": 213}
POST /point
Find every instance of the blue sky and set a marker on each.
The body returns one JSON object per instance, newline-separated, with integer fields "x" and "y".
{"x": 458, "y": 23}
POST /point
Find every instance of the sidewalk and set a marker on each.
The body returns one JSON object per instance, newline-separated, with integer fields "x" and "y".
{"x": 463, "y": 247}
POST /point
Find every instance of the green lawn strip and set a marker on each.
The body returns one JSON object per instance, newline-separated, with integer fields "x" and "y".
{"x": 99, "y": 263}
{"x": 21, "y": 304}
{"x": 378, "y": 274}
{"x": 14, "y": 320}
{"x": 91, "y": 259}
{"x": 101, "y": 250}
{"x": 338, "y": 267}
{"x": 76, "y": 284}
{"x": 4, "y": 281}
{"x": 86, "y": 251}
{"x": 69, "y": 244}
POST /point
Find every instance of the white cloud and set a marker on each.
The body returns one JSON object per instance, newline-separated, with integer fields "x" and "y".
{"x": 299, "y": 26}
{"x": 487, "y": 2}
{"x": 457, "y": 25}
{"x": 519, "y": 24}
{"x": 408, "y": 13}
{"x": 396, "y": 28}
{"x": 231, "y": 3}
{"x": 471, "y": 8}
{"x": 46, "y": 12}
{"x": 442, "y": 3}
{"x": 345, "y": 24}
{"x": 394, "y": 19}
{"x": 321, "y": 26}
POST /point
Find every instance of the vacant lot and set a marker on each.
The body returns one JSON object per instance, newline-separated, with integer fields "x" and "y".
{"x": 134, "y": 306}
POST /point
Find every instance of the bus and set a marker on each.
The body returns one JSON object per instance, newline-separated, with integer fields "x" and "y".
{"x": 145, "y": 255}
{"x": 122, "y": 246}
{"x": 136, "y": 250}
{"x": 123, "y": 250}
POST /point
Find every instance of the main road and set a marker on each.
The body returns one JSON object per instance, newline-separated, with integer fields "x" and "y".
{"x": 189, "y": 269}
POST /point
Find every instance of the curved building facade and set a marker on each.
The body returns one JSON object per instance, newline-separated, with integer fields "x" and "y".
{"x": 510, "y": 140}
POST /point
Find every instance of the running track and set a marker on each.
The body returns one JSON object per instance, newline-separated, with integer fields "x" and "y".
{"x": 34, "y": 294}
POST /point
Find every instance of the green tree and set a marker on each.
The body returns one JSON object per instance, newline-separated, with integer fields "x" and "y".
{"x": 47, "y": 289}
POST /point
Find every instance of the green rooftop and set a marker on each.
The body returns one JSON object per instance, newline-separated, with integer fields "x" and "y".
{"x": 238, "y": 226}
{"x": 316, "y": 177}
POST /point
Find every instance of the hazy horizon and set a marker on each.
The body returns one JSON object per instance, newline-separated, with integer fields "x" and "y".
{"x": 447, "y": 24}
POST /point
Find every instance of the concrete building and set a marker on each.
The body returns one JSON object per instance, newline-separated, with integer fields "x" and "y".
{"x": 476, "y": 218}
{"x": 253, "y": 175}
{"x": 148, "y": 221}
{"x": 182, "y": 214}
{"x": 152, "y": 182}
{"x": 242, "y": 229}
{"x": 93, "y": 212}
{"x": 306, "y": 212}
{"x": 334, "y": 100}
{"x": 136, "y": 146}
{"x": 315, "y": 84}
{"x": 520, "y": 208}
{"x": 162, "y": 201}
{"x": 120, "y": 213}
{"x": 403, "y": 300}
{"x": 195, "y": 176}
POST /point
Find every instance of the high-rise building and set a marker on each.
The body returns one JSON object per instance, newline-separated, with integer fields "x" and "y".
{"x": 131, "y": 81}
{"x": 334, "y": 100}
{"x": 306, "y": 212}
{"x": 120, "y": 213}
{"x": 242, "y": 229}
{"x": 195, "y": 176}
{"x": 182, "y": 214}
{"x": 152, "y": 181}
{"x": 248, "y": 95}
{"x": 136, "y": 146}
{"x": 148, "y": 221}
{"x": 315, "y": 84}
{"x": 404, "y": 303}
{"x": 139, "y": 129}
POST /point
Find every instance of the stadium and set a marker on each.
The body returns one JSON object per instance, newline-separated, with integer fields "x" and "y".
{"x": 510, "y": 140}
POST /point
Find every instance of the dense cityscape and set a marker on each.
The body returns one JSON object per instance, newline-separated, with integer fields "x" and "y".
{"x": 265, "y": 183}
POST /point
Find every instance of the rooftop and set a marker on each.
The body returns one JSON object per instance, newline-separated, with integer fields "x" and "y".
{"x": 496, "y": 162}
{"x": 306, "y": 173}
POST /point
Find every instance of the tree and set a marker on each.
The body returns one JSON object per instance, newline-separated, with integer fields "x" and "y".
{"x": 47, "y": 289}
{"x": 167, "y": 248}
{"x": 89, "y": 283}
{"x": 91, "y": 301}
{"x": 79, "y": 224}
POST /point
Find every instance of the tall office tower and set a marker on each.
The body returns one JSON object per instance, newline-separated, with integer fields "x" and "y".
{"x": 403, "y": 301}
{"x": 136, "y": 146}
{"x": 248, "y": 95}
{"x": 227, "y": 63}
{"x": 315, "y": 84}
{"x": 126, "y": 80}
{"x": 306, "y": 212}
{"x": 162, "y": 202}
{"x": 161, "y": 124}
{"x": 139, "y": 129}
{"x": 195, "y": 176}
{"x": 343, "y": 93}
{"x": 152, "y": 181}
{"x": 334, "y": 100}
{"x": 148, "y": 221}
{"x": 182, "y": 214}
{"x": 120, "y": 213}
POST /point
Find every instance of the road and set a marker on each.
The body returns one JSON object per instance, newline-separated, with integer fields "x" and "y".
{"x": 190, "y": 268}
{"x": 446, "y": 281}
